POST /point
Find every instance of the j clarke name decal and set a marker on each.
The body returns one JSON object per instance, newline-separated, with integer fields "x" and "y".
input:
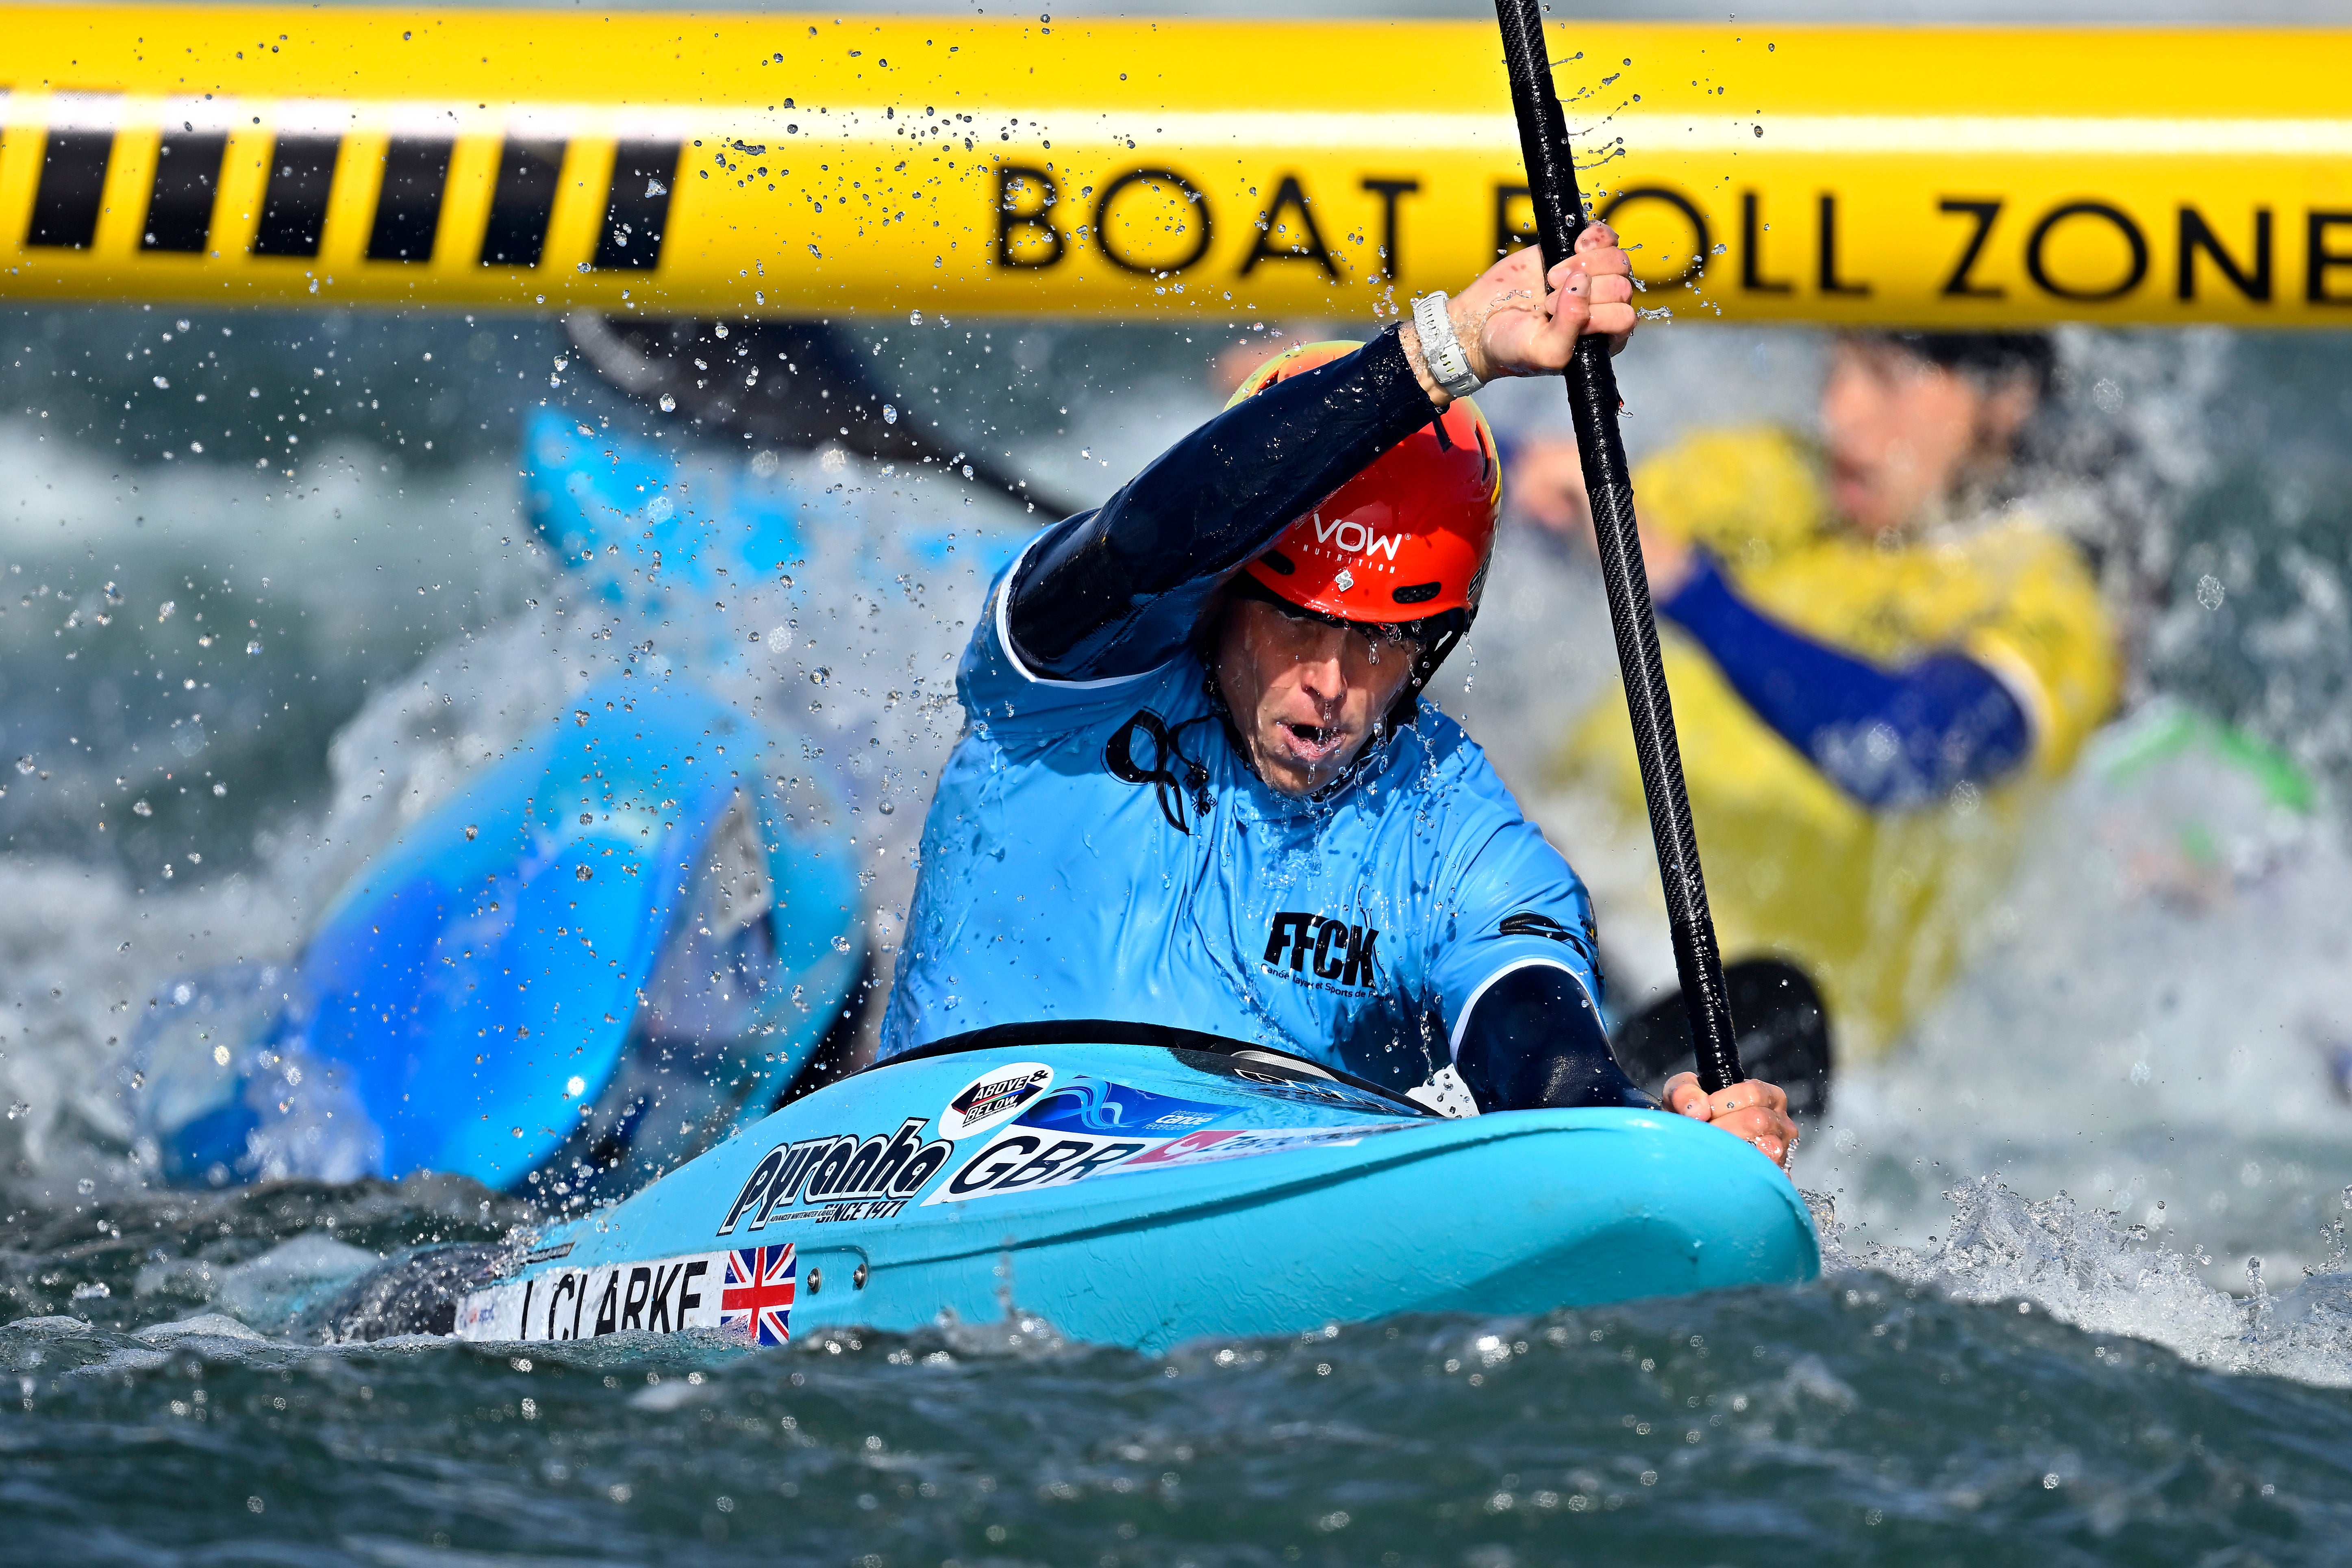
{"x": 746, "y": 1291}
{"x": 837, "y": 1177}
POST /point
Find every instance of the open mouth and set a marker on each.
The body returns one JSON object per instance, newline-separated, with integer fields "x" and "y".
{"x": 1312, "y": 740}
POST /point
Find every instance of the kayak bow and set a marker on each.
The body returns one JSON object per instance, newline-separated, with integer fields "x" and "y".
{"x": 1145, "y": 1186}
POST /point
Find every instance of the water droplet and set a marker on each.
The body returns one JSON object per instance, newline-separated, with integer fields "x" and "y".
{"x": 2210, "y": 592}
{"x": 472, "y": 832}
{"x": 253, "y": 646}
{"x": 914, "y": 318}
{"x": 668, "y": 404}
{"x": 584, "y": 873}
{"x": 820, "y": 675}
{"x": 141, "y": 808}
{"x": 889, "y": 414}
{"x": 887, "y": 807}
{"x": 841, "y": 944}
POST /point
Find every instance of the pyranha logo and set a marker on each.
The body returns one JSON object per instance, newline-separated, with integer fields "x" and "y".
{"x": 850, "y": 1179}
{"x": 1335, "y": 950}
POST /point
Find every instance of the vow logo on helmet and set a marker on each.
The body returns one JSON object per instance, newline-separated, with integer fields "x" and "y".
{"x": 1355, "y": 538}
{"x": 1336, "y": 950}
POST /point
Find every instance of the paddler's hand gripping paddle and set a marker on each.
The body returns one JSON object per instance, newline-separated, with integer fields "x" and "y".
{"x": 1592, "y": 404}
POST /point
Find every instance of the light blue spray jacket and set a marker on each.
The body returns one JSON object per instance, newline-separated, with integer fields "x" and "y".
{"x": 1097, "y": 850}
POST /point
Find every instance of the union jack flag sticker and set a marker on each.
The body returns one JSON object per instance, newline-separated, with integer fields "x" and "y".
{"x": 758, "y": 1296}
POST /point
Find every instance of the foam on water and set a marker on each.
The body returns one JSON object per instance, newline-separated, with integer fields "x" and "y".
{"x": 2089, "y": 1270}
{"x": 2151, "y": 1026}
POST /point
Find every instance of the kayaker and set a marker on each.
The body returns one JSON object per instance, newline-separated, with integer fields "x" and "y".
{"x": 1199, "y": 786}
{"x": 1880, "y": 655}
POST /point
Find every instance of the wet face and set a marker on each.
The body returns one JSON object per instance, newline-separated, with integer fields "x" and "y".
{"x": 1305, "y": 694}
{"x": 1904, "y": 435}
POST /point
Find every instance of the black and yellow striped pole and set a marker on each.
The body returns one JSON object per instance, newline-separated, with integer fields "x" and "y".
{"x": 212, "y": 191}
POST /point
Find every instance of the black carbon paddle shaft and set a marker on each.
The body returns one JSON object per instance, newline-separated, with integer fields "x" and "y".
{"x": 1592, "y": 406}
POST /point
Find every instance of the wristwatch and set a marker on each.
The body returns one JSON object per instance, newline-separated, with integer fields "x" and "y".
{"x": 1440, "y": 349}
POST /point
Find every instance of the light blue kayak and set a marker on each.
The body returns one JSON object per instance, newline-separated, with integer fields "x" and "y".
{"x": 1141, "y": 1186}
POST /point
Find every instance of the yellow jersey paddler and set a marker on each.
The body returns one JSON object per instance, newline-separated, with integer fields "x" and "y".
{"x": 1881, "y": 660}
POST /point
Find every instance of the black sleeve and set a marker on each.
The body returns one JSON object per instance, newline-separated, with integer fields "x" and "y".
{"x": 1117, "y": 591}
{"x": 1533, "y": 1041}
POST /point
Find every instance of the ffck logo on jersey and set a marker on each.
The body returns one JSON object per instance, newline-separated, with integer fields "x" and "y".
{"x": 1331, "y": 949}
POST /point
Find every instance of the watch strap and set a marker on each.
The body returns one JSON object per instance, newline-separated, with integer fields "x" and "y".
{"x": 1441, "y": 350}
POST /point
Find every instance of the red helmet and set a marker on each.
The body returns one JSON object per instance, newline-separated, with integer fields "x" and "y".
{"x": 1408, "y": 539}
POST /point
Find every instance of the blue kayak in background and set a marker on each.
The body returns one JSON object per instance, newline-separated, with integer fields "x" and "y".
{"x": 597, "y": 956}
{"x": 1138, "y": 1186}
{"x": 650, "y": 525}
{"x": 619, "y": 511}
